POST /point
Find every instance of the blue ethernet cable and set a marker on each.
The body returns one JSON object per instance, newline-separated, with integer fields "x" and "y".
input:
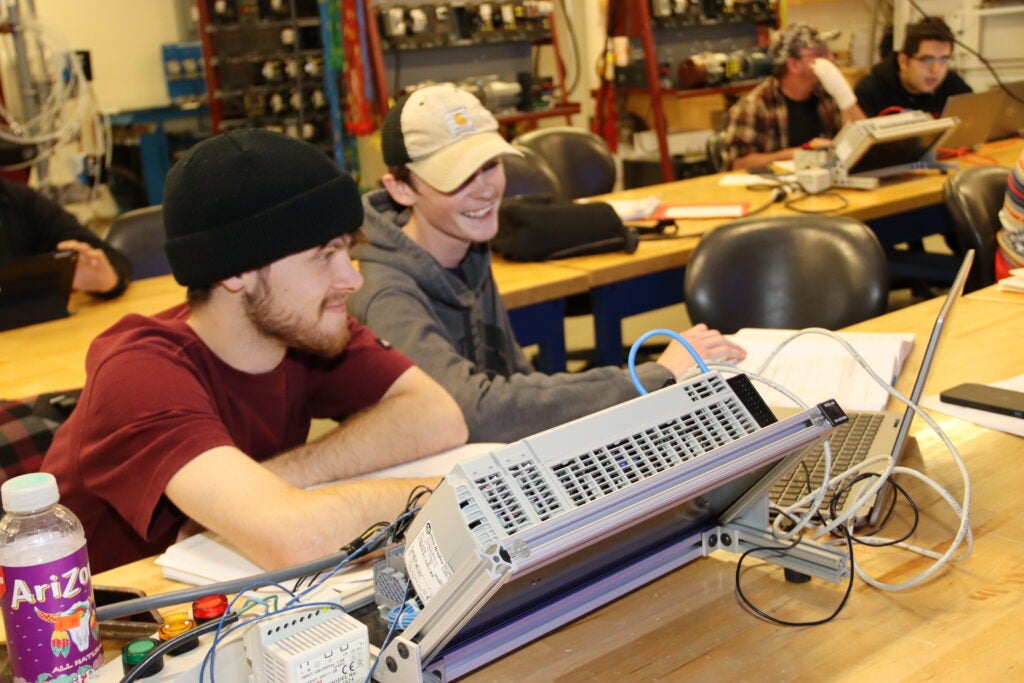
{"x": 647, "y": 335}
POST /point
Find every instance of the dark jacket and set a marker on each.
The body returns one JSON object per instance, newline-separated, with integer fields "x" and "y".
{"x": 459, "y": 333}
{"x": 882, "y": 88}
{"x": 31, "y": 224}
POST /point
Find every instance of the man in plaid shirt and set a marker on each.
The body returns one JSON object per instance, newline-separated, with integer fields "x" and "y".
{"x": 803, "y": 103}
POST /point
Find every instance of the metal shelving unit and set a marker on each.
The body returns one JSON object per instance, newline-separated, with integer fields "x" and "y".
{"x": 646, "y": 24}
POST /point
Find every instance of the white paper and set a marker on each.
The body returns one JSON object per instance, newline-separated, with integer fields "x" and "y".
{"x": 435, "y": 465}
{"x": 633, "y": 209}
{"x": 208, "y": 558}
{"x": 705, "y": 211}
{"x": 205, "y": 558}
{"x": 1014, "y": 283}
{"x": 817, "y": 368}
{"x": 982, "y": 418}
{"x": 743, "y": 179}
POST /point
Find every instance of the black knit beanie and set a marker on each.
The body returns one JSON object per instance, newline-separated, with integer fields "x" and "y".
{"x": 244, "y": 199}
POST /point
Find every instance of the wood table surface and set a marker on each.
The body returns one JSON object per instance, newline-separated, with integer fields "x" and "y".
{"x": 962, "y": 625}
{"x": 51, "y": 356}
{"x": 900, "y": 194}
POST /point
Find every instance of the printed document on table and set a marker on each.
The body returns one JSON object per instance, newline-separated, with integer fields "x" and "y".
{"x": 816, "y": 367}
{"x": 208, "y": 558}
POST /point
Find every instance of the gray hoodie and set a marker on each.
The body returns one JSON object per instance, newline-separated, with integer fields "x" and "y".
{"x": 457, "y": 330}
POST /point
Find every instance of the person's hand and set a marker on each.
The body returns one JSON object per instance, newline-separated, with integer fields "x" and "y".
{"x": 818, "y": 143}
{"x": 709, "y": 345}
{"x": 93, "y": 272}
{"x": 834, "y": 83}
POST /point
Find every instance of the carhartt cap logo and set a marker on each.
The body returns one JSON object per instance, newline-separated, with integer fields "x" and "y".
{"x": 458, "y": 122}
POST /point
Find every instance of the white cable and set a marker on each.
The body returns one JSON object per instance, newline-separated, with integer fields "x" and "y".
{"x": 54, "y": 126}
{"x": 804, "y": 510}
{"x": 963, "y": 537}
{"x": 818, "y": 494}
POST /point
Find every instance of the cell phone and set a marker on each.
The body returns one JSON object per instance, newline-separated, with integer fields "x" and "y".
{"x": 984, "y": 397}
{"x": 133, "y": 626}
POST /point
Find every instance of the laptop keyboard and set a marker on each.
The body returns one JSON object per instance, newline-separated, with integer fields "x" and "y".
{"x": 851, "y": 443}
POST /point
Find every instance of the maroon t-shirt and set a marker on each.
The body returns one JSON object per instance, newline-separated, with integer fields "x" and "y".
{"x": 156, "y": 396}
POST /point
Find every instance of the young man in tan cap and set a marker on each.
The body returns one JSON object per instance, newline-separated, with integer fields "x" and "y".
{"x": 200, "y": 414}
{"x": 429, "y": 287}
{"x": 804, "y": 102}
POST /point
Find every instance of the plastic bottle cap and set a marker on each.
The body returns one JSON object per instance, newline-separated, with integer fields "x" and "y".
{"x": 30, "y": 492}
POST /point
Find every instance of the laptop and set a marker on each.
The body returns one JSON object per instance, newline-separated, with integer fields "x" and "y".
{"x": 1010, "y": 121}
{"x": 867, "y": 434}
{"x": 977, "y": 112}
{"x": 35, "y": 289}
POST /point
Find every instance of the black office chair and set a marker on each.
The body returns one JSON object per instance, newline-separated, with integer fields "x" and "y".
{"x": 139, "y": 235}
{"x": 973, "y": 197}
{"x": 529, "y": 175}
{"x": 787, "y": 272}
{"x": 579, "y": 159}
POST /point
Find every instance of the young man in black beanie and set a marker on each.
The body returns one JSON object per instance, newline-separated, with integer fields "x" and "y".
{"x": 198, "y": 416}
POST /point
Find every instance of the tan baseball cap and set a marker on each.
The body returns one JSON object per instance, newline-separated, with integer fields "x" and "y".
{"x": 443, "y": 134}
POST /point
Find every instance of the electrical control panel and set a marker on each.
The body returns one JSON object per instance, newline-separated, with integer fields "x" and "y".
{"x": 316, "y": 642}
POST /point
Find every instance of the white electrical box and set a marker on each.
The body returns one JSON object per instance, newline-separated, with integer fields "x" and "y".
{"x": 319, "y": 645}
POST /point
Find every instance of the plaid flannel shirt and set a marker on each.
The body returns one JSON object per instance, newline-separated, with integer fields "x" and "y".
{"x": 759, "y": 121}
{"x": 26, "y": 430}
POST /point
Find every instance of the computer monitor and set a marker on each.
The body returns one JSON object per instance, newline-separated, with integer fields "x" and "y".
{"x": 519, "y": 541}
{"x": 889, "y": 145}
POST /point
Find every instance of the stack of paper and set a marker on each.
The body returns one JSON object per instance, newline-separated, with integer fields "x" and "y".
{"x": 676, "y": 210}
{"x": 205, "y": 558}
{"x": 816, "y": 367}
{"x": 1014, "y": 283}
{"x": 208, "y": 558}
{"x": 632, "y": 209}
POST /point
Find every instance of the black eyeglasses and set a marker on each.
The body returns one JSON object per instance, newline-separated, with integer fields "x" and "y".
{"x": 929, "y": 60}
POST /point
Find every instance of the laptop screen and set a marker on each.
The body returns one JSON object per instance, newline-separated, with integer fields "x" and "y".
{"x": 977, "y": 112}
{"x": 938, "y": 329}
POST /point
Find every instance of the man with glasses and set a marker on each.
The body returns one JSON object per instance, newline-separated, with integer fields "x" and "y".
{"x": 917, "y": 77}
{"x": 803, "y": 103}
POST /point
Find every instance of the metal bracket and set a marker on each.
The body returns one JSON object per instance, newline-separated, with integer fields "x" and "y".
{"x": 750, "y": 531}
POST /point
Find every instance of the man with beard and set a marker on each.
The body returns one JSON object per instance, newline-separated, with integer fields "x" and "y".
{"x": 802, "y": 104}
{"x": 198, "y": 416}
